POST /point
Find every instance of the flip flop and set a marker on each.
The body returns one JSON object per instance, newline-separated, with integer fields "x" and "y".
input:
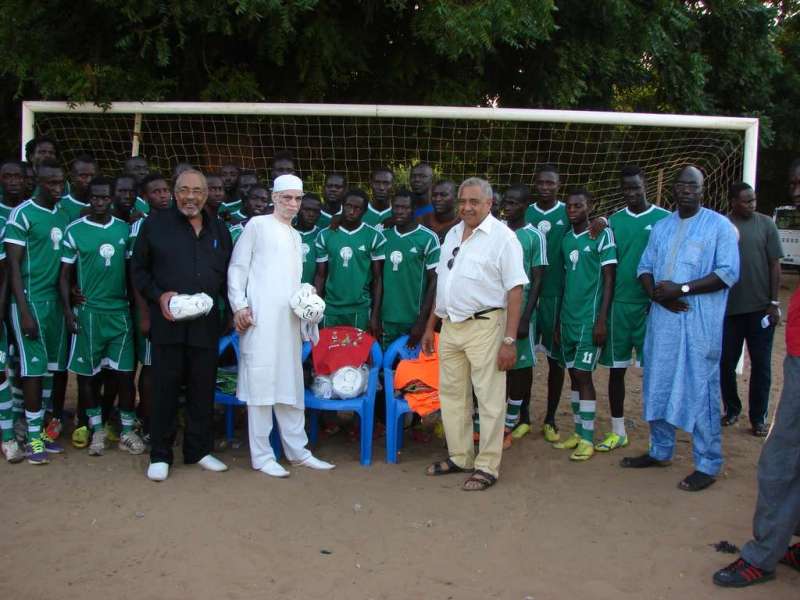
{"x": 444, "y": 467}
{"x": 696, "y": 482}
{"x": 483, "y": 480}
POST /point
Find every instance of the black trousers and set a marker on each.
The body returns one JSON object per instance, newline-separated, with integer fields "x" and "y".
{"x": 173, "y": 366}
{"x": 737, "y": 330}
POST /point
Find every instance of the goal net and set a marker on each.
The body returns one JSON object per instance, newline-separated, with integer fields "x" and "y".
{"x": 503, "y": 145}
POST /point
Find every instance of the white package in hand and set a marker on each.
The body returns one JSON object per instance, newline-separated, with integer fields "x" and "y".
{"x": 349, "y": 382}
{"x": 190, "y": 306}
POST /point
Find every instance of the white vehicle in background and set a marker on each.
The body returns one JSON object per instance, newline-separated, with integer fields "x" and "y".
{"x": 787, "y": 219}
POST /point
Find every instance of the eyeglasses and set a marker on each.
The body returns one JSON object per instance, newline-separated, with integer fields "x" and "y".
{"x": 453, "y": 259}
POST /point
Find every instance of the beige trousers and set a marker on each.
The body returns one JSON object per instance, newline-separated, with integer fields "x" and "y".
{"x": 468, "y": 352}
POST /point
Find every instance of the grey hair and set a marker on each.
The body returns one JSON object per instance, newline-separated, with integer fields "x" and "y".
{"x": 486, "y": 189}
{"x": 192, "y": 172}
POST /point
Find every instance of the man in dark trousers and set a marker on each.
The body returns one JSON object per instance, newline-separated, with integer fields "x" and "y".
{"x": 181, "y": 250}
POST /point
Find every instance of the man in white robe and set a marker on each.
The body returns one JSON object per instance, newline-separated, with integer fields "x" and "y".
{"x": 263, "y": 274}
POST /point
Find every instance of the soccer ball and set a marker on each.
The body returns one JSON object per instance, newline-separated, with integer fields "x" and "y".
{"x": 310, "y": 308}
{"x": 349, "y": 382}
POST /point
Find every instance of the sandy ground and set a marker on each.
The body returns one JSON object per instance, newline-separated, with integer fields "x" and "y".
{"x": 87, "y": 527}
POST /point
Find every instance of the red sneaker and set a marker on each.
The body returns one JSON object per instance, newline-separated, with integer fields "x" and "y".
{"x": 792, "y": 557}
{"x": 741, "y": 573}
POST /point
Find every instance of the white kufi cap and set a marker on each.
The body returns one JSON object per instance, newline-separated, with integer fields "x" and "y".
{"x": 287, "y": 182}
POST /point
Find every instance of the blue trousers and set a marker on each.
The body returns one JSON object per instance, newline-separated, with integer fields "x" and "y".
{"x": 777, "y": 514}
{"x": 706, "y": 444}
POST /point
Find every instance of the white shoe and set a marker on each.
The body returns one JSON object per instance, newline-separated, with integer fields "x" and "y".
{"x": 312, "y": 462}
{"x": 131, "y": 443}
{"x": 98, "y": 445}
{"x": 210, "y": 463}
{"x": 158, "y": 471}
{"x": 13, "y": 452}
{"x": 273, "y": 468}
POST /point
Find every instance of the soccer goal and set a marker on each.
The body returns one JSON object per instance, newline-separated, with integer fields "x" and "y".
{"x": 502, "y": 144}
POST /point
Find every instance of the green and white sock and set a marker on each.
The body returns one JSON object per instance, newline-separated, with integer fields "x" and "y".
{"x": 34, "y": 419}
{"x": 618, "y": 426}
{"x": 127, "y": 417}
{"x": 47, "y": 391}
{"x": 6, "y": 412}
{"x": 512, "y": 413}
{"x": 95, "y": 416}
{"x": 588, "y": 408}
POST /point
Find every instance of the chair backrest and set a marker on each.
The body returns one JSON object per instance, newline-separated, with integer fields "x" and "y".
{"x": 375, "y": 354}
{"x": 398, "y": 351}
{"x": 231, "y": 339}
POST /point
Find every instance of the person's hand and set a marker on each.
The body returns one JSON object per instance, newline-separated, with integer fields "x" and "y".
{"x": 666, "y": 290}
{"x": 427, "y": 341}
{"x": 374, "y": 328}
{"x": 600, "y": 333}
{"x": 76, "y": 296}
{"x": 30, "y": 328}
{"x": 774, "y": 314}
{"x": 523, "y": 329}
{"x": 144, "y": 323}
{"x": 676, "y": 306}
{"x": 243, "y": 319}
{"x": 415, "y": 335}
{"x": 163, "y": 302}
{"x": 506, "y": 357}
{"x": 596, "y": 226}
{"x": 72, "y": 322}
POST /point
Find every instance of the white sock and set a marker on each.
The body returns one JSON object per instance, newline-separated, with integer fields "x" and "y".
{"x": 574, "y": 398}
{"x": 618, "y": 426}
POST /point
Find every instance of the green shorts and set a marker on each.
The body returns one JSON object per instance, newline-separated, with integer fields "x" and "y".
{"x": 103, "y": 340}
{"x": 48, "y": 352}
{"x": 392, "y": 331}
{"x": 546, "y": 318}
{"x": 577, "y": 347}
{"x": 625, "y": 334}
{"x": 526, "y": 355}
{"x": 358, "y": 319}
{"x": 144, "y": 350}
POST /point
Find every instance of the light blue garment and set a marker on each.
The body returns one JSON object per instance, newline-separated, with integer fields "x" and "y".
{"x": 706, "y": 445}
{"x": 682, "y": 350}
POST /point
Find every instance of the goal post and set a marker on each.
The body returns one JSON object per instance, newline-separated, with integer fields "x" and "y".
{"x": 503, "y": 144}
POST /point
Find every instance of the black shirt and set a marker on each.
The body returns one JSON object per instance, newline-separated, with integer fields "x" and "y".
{"x": 170, "y": 257}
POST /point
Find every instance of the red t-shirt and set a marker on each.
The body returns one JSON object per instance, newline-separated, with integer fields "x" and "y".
{"x": 793, "y": 325}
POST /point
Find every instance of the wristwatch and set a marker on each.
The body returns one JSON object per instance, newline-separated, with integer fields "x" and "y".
{"x": 685, "y": 289}
{"x": 509, "y": 341}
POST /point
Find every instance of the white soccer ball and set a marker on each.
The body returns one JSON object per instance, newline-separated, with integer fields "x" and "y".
{"x": 310, "y": 308}
{"x": 349, "y": 382}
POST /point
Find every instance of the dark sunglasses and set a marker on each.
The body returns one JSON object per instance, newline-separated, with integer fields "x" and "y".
{"x": 453, "y": 259}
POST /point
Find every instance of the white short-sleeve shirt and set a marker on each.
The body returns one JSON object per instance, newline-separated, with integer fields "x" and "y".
{"x": 487, "y": 265}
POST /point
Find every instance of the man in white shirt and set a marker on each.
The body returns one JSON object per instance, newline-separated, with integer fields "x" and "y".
{"x": 478, "y": 301}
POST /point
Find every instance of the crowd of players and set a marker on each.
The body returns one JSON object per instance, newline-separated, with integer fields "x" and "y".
{"x": 372, "y": 255}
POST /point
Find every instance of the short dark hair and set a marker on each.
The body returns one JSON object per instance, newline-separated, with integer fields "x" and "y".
{"x": 12, "y": 161}
{"x": 421, "y": 163}
{"x": 119, "y": 178}
{"x": 258, "y": 186}
{"x": 102, "y": 180}
{"x": 404, "y": 192}
{"x": 546, "y": 168}
{"x": 84, "y": 158}
{"x": 311, "y": 196}
{"x": 336, "y": 174}
{"x": 381, "y": 169}
{"x": 359, "y": 193}
{"x": 51, "y": 164}
{"x": 150, "y": 178}
{"x": 631, "y": 171}
{"x": 30, "y": 147}
{"x": 524, "y": 191}
{"x": 243, "y": 172}
{"x": 580, "y": 191}
{"x": 737, "y": 188}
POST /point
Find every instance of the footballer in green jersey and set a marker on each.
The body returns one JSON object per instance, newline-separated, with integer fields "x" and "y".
{"x": 376, "y": 218}
{"x": 589, "y": 267}
{"x": 534, "y": 257}
{"x": 350, "y": 268}
{"x": 306, "y": 225}
{"x": 409, "y": 274}
{"x": 333, "y": 196}
{"x": 12, "y": 186}
{"x": 95, "y": 249}
{"x": 11, "y": 449}
{"x": 627, "y": 322}
{"x": 33, "y": 248}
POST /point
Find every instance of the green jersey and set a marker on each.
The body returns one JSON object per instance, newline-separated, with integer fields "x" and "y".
{"x": 72, "y": 207}
{"x": 534, "y": 253}
{"x": 230, "y": 206}
{"x": 409, "y": 256}
{"x": 325, "y": 218}
{"x": 583, "y": 259}
{"x": 553, "y": 223}
{"x": 309, "y": 249}
{"x": 40, "y": 231}
{"x": 236, "y": 231}
{"x": 376, "y": 217}
{"x": 349, "y": 255}
{"x": 632, "y": 232}
{"x": 141, "y": 205}
{"x": 5, "y": 211}
{"x": 99, "y": 252}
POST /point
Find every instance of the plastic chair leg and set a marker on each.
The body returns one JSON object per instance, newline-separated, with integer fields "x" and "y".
{"x": 367, "y": 425}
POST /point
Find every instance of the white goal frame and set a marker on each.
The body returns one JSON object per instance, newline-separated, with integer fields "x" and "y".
{"x": 748, "y": 125}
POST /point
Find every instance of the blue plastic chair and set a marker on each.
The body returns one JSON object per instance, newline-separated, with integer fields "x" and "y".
{"x": 396, "y": 406}
{"x": 229, "y": 401}
{"x": 363, "y": 405}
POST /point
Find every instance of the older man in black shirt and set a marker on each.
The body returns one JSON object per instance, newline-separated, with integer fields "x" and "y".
{"x": 181, "y": 250}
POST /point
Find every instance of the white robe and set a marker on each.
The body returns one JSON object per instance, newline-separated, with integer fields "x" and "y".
{"x": 264, "y": 272}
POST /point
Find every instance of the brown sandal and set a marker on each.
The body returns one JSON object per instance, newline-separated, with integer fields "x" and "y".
{"x": 483, "y": 480}
{"x": 444, "y": 467}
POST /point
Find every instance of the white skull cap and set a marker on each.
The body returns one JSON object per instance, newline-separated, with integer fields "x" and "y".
{"x": 287, "y": 182}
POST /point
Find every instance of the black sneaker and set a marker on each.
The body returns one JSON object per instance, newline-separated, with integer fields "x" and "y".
{"x": 792, "y": 557}
{"x": 741, "y": 573}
